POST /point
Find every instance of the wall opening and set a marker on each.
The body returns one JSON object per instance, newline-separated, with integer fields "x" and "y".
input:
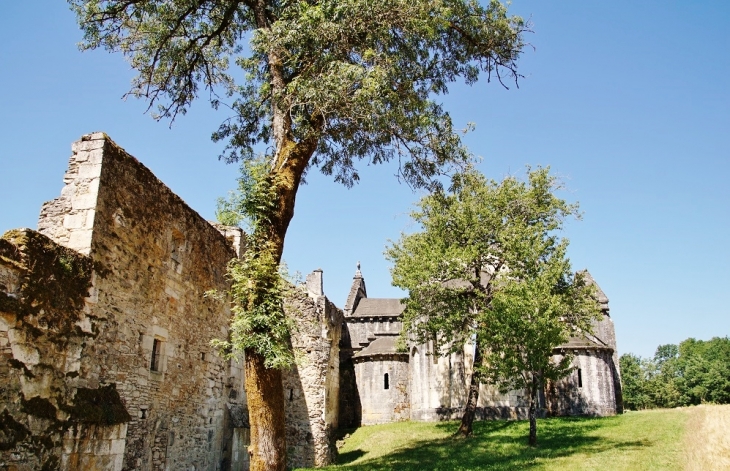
{"x": 156, "y": 349}
{"x": 580, "y": 378}
{"x": 386, "y": 383}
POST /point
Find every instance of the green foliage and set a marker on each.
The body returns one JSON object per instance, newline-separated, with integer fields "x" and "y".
{"x": 259, "y": 284}
{"x": 259, "y": 287}
{"x": 359, "y": 77}
{"x": 469, "y": 237}
{"x": 694, "y": 372}
{"x": 531, "y": 316}
{"x": 636, "y": 395}
{"x": 489, "y": 267}
{"x": 254, "y": 201}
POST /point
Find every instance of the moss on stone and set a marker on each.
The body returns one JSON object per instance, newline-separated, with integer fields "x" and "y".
{"x": 101, "y": 406}
{"x": 39, "y": 407}
{"x": 54, "y": 280}
{"x": 11, "y": 431}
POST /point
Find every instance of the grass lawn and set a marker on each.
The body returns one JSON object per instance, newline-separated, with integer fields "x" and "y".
{"x": 636, "y": 440}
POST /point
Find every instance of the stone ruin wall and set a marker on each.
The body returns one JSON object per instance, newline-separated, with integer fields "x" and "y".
{"x": 149, "y": 259}
{"x": 153, "y": 258}
{"x": 311, "y": 387}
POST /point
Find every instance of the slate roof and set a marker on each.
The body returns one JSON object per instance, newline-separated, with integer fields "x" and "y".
{"x": 575, "y": 343}
{"x": 378, "y": 307}
{"x": 382, "y": 345}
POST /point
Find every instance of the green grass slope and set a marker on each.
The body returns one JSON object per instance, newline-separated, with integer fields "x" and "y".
{"x": 633, "y": 441}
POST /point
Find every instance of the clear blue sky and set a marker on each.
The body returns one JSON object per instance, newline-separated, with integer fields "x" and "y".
{"x": 627, "y": 101}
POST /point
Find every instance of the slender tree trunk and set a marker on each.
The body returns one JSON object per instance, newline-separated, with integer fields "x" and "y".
{"x": 465, "y": 429}
{"x": 533, "y": 411}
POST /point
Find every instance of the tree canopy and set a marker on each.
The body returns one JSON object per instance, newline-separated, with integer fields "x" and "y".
{"x": 315, "y": 83}
{"x": 693, "y": 372}
{"x": 489, "y": 267}
{"x": 356, "y": 79}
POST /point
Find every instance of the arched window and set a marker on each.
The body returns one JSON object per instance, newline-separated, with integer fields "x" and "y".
{"x": 386, "y": 384}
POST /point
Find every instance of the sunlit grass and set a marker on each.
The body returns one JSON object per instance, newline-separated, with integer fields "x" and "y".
{"x": 707, "y": 438}
{"x": 633, "y": 441}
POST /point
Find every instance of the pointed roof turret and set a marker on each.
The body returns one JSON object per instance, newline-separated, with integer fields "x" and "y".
{"x": 357, "y": 292}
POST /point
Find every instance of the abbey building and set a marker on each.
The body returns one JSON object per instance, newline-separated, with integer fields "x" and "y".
{"x": 105, "y": 341}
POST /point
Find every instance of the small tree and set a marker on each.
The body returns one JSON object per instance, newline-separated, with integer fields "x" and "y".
{"x": 319, "y": 83}
{"x": 531, "y": 314}
{"x": 485, "y": 242}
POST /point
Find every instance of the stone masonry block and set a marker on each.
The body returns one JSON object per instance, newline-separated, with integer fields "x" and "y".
{"x": 75, "y": 220}
{"x": 81, "y": 146}
{"x": 80, "y": 241}
{"x": 84, "y": 201}
{"x": 91, "y": 169}
{"x": 96, "y": 156}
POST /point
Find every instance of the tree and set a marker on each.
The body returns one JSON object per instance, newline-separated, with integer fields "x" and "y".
{"x": 694, "y": 372}
{"x": 489, "y": 268}
{"x": 703, "y": 371}
{"x": 322, "y": 84}
{"x": 530, "y": 315}
{"x": 635, "y": 387}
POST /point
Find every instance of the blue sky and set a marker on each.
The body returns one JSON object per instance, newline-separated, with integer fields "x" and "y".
{"x": 627, "y": 101}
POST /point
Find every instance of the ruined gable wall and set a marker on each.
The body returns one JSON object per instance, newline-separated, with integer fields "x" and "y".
{"x": 154, "y": 260}
{"x": 311, "y": 387}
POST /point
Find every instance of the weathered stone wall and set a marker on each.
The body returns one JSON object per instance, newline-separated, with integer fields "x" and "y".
{"x": 440, "y": 387}
{"x": 107, "y": 363}
{"x": 154, "y": 260}
{"x": 311, "y": 388}
{"x": 50, "y": 394}
{"x": 363, "y": 330}
{"x": 438, "y": 383}
{"x": 380, "y": 404}
{"x": 80, "y": 341}
{"x": 588, "y": 390}
{"x": 605, "y": 331}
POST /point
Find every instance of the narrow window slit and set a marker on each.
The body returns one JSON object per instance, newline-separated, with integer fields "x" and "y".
{"x": 580, "y": 378}
{"x": 155, "y": 362}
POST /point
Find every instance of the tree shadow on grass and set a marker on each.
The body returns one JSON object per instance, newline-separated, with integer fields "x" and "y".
{"x": 496, "y": 445}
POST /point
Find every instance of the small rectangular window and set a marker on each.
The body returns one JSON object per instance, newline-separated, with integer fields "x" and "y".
{"x": 386, "y": 382}
{"x": 156, "y": 348}
{"x": 580, "y": 378}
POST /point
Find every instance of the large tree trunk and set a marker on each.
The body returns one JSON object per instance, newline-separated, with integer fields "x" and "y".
{"x": 465, "y": 429}
{"x": 264, "y": 388}
{"x": 265, "y": 395}
{"x": 533, "y": 411}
